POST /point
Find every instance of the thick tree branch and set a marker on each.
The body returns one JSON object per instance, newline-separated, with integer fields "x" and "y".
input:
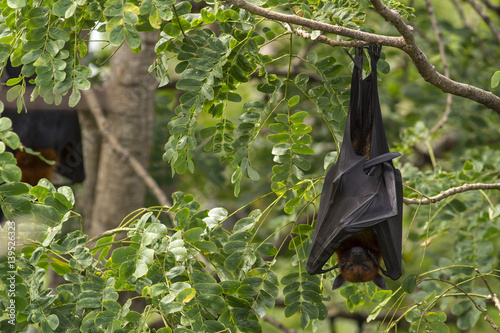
{"x": 315, "y": 25}
{"x": 323, "y": 39}
{"x": 102, "y": 123}
{"x": 450, "y": 192}
{"x": 405, "y": 43}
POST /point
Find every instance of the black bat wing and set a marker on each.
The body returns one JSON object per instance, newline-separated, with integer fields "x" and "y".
{"x": 357, "y": 193}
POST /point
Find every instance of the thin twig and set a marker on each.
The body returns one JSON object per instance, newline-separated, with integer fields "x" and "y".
{"x": 477, "y": 7}
{"x": 492, "y": 6}
{"x": 446, "y": 69}
{"x": 279, "y": 325}
{"x": 476, "y": 304}
{"x": 494, "y": 296}
{"x": 450, "y": 192}
{"x": 102, "y": 124}
{"x": 487, "y": 53}
{"x": 108, "y": 233}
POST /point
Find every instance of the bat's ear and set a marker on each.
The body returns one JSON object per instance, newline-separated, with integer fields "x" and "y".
{"x": 338, "y": 282}
{"x": 379, "y": 281}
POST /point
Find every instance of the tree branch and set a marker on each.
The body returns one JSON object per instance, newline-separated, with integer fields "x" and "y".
{"x": 446, "y": 69}
{"x": 315, "y": 25}
{"x": 278, "y": 324}
{"x": 450, "y": 192}
{"x": 427, "y": 70}
{"x": 477, "y": 7}
{"x": 492, "y": 6}
{"x": 102, "y": 123}
{"x": 405, "y": 43}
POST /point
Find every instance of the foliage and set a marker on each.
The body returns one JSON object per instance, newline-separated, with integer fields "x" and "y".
{"x": 205, "y": 270}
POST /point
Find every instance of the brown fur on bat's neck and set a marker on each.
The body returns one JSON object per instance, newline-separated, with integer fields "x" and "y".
{"x": 366, "y": 240}
{"x": 362, "y": 119}
{"x": 361, "y": 141}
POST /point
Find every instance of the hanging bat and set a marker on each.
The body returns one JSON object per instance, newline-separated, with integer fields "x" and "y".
{"x": 360, "y": 212}
{"x": 54, "y": 134}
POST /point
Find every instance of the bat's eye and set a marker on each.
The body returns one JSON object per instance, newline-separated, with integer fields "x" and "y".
{"x": 365, "y": 267}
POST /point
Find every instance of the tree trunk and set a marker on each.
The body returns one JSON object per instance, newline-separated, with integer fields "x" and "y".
{"x": 114, "y": 189}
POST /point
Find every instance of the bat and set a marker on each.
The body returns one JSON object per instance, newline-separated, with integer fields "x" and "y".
{"x": 33, "y": 167}
{"x": 54, "y": 134}
{"x": 361, "y": 204}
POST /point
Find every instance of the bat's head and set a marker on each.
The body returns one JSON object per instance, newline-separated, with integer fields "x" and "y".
{"x": 358, "y": 266}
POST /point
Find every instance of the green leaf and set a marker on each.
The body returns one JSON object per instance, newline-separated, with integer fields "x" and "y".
{"x": 186, "y": 295}
{"x": 302, "y": 229}
{"x": 181, "y": 219}
{"x": 207, "y": 15}
{"x": 294, "y": 100}
{"x": 208, "y": 132}
{"x": 60, "y": 269}
{"x": 301, "y": 148}
{"x": 193, "y": 235}
{"x": 238, "y": 74}
{"x": 123, "y": 254}
{"x": 237, "y": 246}
{"x": 189, "y": 85}
{"x": 179, "y": 253}
{"x": 74, "y": 98}
{"x": 409, "y": 284}
{"x": 281, "y": 149}
{"x": 208, "y": 288}
{"x": 291, "y": 309}
{"x": 298, "y": 117}
{"x": 117, "y": 35}
{"x": 10, "y": 189}
{"x": 89, "y": 303}
{"x": 212, "y": 301}
{"x": 53, "y": 321}
{"x": 11, "y": 173}
{"x": 206, "y": 246}
{"x": 127, "y": 269}
{"x": 330, "y": 159}
{"x": 383, "y": 66}
{"x": 164, "y": 330}
{"x": 132, "y": 37}
{"x": 58, "y": 34}
{"x": 249, "y": 326}
{"x": 243, "y": 224}
{"x": 304, "y": 319}
{"x": 234, "y": 261}
{"x": 290, "y": 278}
{"x": 436, "y": 317}
{"x": 438, "y": 327}
{"x": 14, "y": 92}
{"x": 495, "y": 79}
{"x": 11, "y": 139}
{"x": 252, "y": 174}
